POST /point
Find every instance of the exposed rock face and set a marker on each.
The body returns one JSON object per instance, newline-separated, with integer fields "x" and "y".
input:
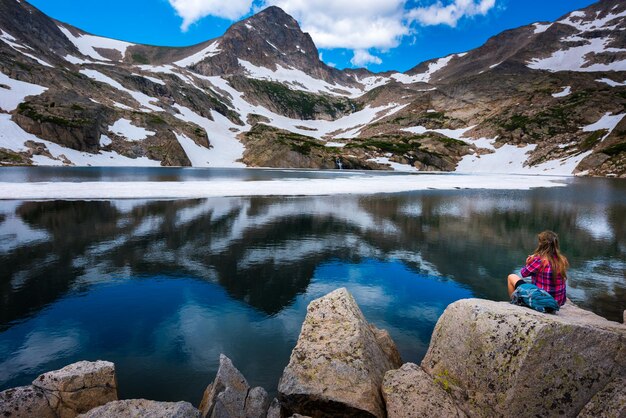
{"x": 230, "y": 396}
{"x": 63, "y": 393}
{"x": 497, "y": 359}
{"x": 338, "y": 364}
{"x": 410, "y": 392}
{"x": 139, "y": 408}
{"x": 25, "y": 402}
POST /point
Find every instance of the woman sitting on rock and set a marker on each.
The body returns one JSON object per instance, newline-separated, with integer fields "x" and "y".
{"x": 546, "y": 266}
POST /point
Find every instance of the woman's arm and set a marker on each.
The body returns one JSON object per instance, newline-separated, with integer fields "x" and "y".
{"x": 533, "y": 263}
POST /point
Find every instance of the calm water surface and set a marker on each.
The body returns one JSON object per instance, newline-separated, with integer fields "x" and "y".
{"x": 161, "y": 288}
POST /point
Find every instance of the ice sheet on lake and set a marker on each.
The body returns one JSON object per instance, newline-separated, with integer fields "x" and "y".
{"x": 357, "y": 184}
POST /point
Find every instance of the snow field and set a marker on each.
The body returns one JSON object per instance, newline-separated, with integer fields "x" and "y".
{"x": 17, "y": 92}
{"x": 86, "y": 44}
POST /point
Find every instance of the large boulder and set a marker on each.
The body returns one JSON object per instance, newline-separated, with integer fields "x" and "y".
{"x": 25, "y": 402}
{"x": 497, "y": 359}
{"x": 339, "y": 362}
{"x": 79, "y": 387}
{"x": 63, "y": 393}
{"x": 411, "y": 393}
{"x": 140, "y": 408}
{"x": 230, "y": 395}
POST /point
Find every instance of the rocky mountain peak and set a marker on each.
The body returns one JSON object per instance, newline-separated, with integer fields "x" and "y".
{"x": 270, "y": 39}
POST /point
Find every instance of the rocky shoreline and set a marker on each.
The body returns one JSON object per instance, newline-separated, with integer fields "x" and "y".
{"x": 485, "y": 359}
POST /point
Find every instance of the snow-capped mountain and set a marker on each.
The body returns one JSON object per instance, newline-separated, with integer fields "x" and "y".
{"x": 545, "y": 98}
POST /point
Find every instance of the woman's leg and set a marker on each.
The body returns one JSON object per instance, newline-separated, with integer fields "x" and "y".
{"x": 511, "y": 280}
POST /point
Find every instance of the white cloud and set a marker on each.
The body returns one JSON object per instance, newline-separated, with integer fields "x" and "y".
{"x": 193, "y": 10}
{"x": 357, "y": 26}
{"x": 361, "y": 58}
{"x": 450, "y": 14}
{"x": 349, "y": 24}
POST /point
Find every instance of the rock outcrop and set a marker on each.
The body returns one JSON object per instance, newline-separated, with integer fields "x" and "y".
{"x": 63, "y": 393}
{"x": 410, "y": 392}
{"x": 496, "y": 359}
{"x": 139, "y": 408}
{"x": 230, "y": 395}
{"x": 338, "y": 364}
{"x": 485, "y": 359}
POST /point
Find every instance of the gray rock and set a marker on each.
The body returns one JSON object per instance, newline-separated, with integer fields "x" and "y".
{"x": 25, "y": 402}
{"x": 229, "y": 395}
{"x": 142, "y": 408}
{"x": 338, "y": 364}
{"x": 610, "y": 402}
{"x": 503, "y": 360}
{"x": 275, "y": 410}
{"x": 78, "y": 387}
{"x": 257, "y": 403}
{"x": 411, "y": 393}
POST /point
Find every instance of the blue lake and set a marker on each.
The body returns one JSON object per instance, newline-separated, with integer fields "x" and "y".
{"x": 161, "y": 288}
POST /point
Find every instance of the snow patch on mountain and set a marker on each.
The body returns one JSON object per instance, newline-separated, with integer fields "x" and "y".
{"x": 608, "y": 122}
{"x": 611, "y": 82}
{"x": 297, "y": 80}
{"x": 198, "y": 155}
{"x": 172, "y": 70}
{"x": 12, "y": 42}
{"x": 345, "y": 127}
{"x": 450, "y": 133}
{"x": 16, "y": 92}
{"x": 143, "y": 99}
{"x": 575, "y": 58}
{"x": 405, "y": 168}
{"x": 584, "y": 23}
{"x": 125, "y": 128}
{"x": 77, "y": 61}
{"x": 541, "y": 27}
{"x": 210, "y": 51}
{"x": 13, "y": 137}
{"x": 86, "y": 44}
{"x": 424, "y": 77}
{"x": 226, "y": 150}
{"x": 566, "y": 92}
{"x": 153, "y": 79}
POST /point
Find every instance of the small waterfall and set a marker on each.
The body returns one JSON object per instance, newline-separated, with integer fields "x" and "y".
{"x": 339, "y": 165}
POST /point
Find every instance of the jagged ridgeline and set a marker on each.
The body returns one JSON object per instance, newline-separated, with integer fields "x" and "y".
{"x": 544, "y": 98}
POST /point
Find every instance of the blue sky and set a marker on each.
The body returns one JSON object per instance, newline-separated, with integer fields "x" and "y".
{"x": 379, "y": 34}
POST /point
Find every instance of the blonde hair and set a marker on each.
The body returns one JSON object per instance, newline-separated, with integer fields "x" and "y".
{"x": 548, "y": 251}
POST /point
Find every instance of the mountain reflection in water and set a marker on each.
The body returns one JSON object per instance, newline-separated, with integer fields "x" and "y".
{"x": 162, "y": 287}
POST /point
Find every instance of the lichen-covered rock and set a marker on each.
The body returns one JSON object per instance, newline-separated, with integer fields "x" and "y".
{"x": 610, "y": 402}
{"x": 498, "y": 359}
{"x": 411, "y": 393}
{"x": 142, "y": 408}
{"x": 230, "y": 396}
{"x": 25, "y": 402}
{"x": 338, "y": 364}
{"x": 78, "y": 387}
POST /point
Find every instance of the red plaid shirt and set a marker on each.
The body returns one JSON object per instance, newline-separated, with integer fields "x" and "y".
{"x": 543, "y": 277}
